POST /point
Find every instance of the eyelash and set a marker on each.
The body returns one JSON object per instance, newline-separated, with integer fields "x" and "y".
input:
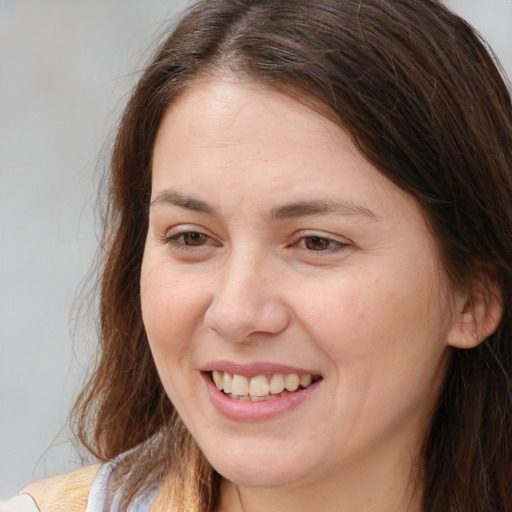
{"x": 331, "y": 245}
{"x": 173, "y": 240}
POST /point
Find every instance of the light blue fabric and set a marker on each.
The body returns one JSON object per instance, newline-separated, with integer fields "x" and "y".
{"x": 20, "y": 503}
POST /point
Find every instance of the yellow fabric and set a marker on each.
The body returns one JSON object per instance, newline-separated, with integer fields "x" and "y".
{"x": 163, "y": 501}
{"x": 63, "y": 493}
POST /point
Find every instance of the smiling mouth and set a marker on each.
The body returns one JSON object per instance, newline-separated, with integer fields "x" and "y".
{"x": 260, "y": 387}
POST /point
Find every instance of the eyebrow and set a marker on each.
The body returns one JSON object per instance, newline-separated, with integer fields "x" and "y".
{"x": 320, "y": 207}
{"x": 286, "y": 211}
{"x": 184, "y": 201}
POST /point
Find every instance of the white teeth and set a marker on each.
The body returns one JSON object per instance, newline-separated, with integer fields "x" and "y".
{"x": 227, "y": 381}
{"x": 217, "y": 378}
{"x": 291, "y": 382}
{"x": 276, "y": 384}
{"x": 239, "y": 386}
{"x": 259, "y": 388}
{"x": 305, "y": 380}
{"x": 259, "y": 398}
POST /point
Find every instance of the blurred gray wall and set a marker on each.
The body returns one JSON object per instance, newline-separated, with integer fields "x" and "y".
{"x": 65, "y": 68}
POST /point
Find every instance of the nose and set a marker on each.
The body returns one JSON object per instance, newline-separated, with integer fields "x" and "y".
{"x": 247, "y": 301}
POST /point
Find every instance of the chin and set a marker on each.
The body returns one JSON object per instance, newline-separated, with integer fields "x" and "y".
{"x": 253, "y": 470}
{"x": 257, "y": 476}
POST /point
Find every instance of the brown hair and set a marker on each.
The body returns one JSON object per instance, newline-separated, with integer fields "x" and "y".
{"x": 423, "y": 99}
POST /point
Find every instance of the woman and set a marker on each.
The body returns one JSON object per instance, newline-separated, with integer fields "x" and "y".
{"x": 305, "y": 291}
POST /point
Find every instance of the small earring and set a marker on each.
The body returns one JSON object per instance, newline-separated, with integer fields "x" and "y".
{"x": 475, "y": 335}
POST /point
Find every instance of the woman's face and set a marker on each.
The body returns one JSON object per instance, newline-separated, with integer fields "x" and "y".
{"x": 278, "y": 256}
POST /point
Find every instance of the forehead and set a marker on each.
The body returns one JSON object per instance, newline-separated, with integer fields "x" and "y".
{"x": 240, "y": 109}
{"x": 234, "y": 142}
{"x": 216, "y": 122}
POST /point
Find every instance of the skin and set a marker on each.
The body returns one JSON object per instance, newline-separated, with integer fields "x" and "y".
{"x": 365, "y": 305}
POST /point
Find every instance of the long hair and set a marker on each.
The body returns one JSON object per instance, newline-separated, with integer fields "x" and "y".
{"x": 424, "y": 100}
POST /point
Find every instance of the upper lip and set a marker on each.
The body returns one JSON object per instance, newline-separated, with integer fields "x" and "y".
{"x": 256, "y": 368}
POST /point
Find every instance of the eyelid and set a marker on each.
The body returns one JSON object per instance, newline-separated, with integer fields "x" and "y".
{"x": 339, "y": 242}
{"x": 171, "y": 235}
{"x": 305, "y": 233}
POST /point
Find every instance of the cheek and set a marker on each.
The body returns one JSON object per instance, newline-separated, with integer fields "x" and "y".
{"x": 165, "y": 298}
{"x": 385, "y": 343}
{"x": 342, "y": 314}
{"x": 171, "y": 310}
{"x": 377, "y": 319}
{"x": 172, "y": 313}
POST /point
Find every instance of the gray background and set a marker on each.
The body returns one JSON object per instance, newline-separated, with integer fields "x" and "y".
{"x": 65, "y": 69}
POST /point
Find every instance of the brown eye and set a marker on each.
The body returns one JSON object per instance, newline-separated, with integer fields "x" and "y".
{"x": 317, "y": 243}
{"x": 193, "y": 238}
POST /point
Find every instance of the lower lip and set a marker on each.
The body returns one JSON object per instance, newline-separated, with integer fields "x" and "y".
{"x": 240, "y": 410}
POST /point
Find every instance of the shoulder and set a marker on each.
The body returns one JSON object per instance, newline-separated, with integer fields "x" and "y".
{"x": 81, "y": 490}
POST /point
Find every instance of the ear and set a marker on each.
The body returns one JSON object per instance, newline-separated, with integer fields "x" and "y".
{"x": 477, "y": 314}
